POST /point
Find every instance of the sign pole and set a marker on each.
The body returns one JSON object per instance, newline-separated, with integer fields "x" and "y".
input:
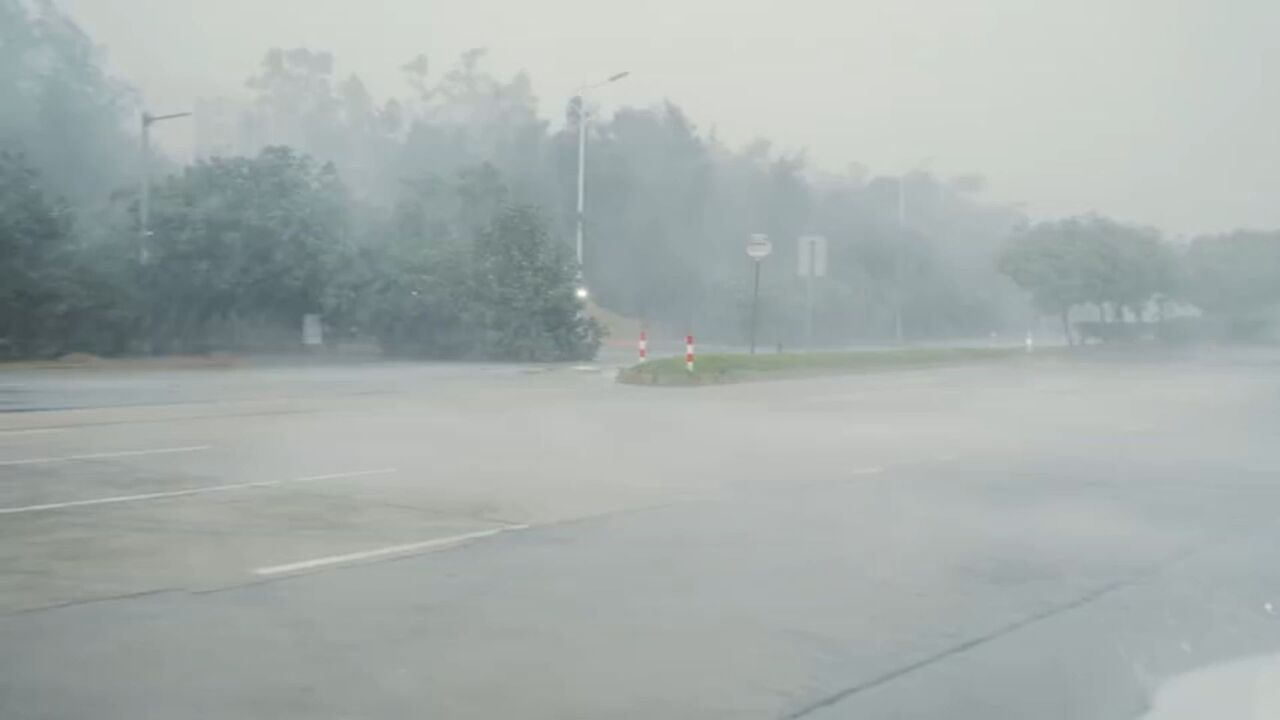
{"x": 808, "y": 318}
{"x": 755, "y": 305}
{"x": 758, "y": 248}
{"x": 811, "y": 251}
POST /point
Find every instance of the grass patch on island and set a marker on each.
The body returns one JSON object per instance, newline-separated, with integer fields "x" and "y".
{"x": 715, "y": 369}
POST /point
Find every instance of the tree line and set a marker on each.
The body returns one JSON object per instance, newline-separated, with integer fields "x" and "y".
{"x": 1131, "y": 275}
{"x": 439, "y": 222}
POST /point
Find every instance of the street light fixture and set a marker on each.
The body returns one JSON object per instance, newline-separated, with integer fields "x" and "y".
{"x": 144, "y": 210}
{"x": 582, "y": 167}
{"x": 144, "y": 203}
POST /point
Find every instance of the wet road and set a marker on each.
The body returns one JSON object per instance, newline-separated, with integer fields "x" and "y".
{"x": 1048, "y": 539}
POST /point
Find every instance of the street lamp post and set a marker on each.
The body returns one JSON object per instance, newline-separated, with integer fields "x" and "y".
{"x": 144, "y": 201}
{"x": 144, "y": 216}
{"x": 582, "y": 165}
{"x": 897, "y": 259}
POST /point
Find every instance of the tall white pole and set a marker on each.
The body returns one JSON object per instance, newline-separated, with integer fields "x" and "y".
{"x": 808, "y": 317}
{"x": 144, "y": 199}
{"x": 582, "y": 166}
{"x": 897, "y": 258}
{"x": 144, "y": 210}
{"x": 582, "y": 173}
{"x": 902, "y": 202}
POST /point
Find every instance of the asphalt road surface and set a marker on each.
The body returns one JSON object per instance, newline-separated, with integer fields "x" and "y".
{"x": 1027, "y": 540}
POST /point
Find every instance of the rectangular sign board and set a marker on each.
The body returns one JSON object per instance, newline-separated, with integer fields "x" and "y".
{"x": 312, "y": 330}
{"x": 759, "y": 247}
{"x": 812, "y": 256}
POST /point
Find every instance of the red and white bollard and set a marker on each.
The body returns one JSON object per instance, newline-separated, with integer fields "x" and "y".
{"x": 688, "y": 352}
{"x": 643, "y": 345}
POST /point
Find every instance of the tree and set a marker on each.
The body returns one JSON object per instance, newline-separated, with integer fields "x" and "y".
{"x": 395, "y": 248}
{"x": 669, "y": 207}
{"x": 414, "y": 291}
{"x": 56, "y": 294}
{"x": 300, "y": 102}
{"x": 246, "y": 239}
{"x": 418, "y": 301}
{"x": 1089, "y": 259}
{"x": 525, "y": 293}
{"x": 1149, "y": 270}
{"x": 35, "y": 245}
{"x": 61, "y": 109}
{"x": 464, "y": 273}
{"x": 649, "y": 179}
{"x": 1051, "y": 261}
{"x": 1235, "y": 275}
{"x": 295, "y": 99}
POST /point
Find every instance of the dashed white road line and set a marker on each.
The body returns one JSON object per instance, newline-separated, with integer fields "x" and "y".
{"x": 30, "y": 431}
{"x": 105, "y": 455}
{"x": 190, "y": 491}
{"x": 389, "y": 551}
{"x": 868, "y": 471}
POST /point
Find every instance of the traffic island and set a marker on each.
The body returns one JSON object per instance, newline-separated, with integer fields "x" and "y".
{"x": 719, "y": 369}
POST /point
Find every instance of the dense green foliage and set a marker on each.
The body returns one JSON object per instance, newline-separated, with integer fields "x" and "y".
{"x": 37, "y": 290}
{"x": 507, "y": 296}
{"x": 1129, "y": 272}
{"x": 58, "y": 106}
{"x": 1090, "y": 260}
{"x": 257, "y": 241}
{"x": 245, "y": 242}
{"x": 440, "y": 223}
{"x": 1236, "y": 275}
{"x": 669, "y": 207}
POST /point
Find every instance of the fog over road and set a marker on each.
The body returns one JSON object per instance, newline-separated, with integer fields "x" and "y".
{"x": 1044, "y": 539}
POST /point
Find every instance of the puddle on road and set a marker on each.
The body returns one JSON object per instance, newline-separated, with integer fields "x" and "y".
{"x": 1246, "y": 689}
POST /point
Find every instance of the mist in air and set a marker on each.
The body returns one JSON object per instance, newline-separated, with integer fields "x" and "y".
{"x": 983, "y": 182}
{"x": 765, "y": 359}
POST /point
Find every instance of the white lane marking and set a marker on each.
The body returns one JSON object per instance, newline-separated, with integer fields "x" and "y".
{"x": 102, "y": 456}
{"x": 32, "y": 431}
{"x": 868, "y": 471}
{"x": 383, "y": 551}
{"x": 191, "y": 491}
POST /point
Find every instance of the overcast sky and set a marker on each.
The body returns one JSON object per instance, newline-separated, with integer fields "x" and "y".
{"x": 1155, "y": 111}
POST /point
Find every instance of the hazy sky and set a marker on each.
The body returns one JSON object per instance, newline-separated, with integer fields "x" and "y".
{"x": 1155, "y": 111}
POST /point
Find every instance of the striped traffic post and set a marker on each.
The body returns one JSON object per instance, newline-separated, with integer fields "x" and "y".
{"x": 688, "y": 352}
{"x": 643, "y": 345}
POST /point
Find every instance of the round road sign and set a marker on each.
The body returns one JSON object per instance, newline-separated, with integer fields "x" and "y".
{"x": 759, "y": 246}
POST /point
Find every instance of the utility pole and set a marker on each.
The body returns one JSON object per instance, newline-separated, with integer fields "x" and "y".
{"x": 755, "y": 304}
{"x": 811, "y": 252}
{"x": 144, "y": 200}
{"x": 897, "y": 258}
{"x": 582, "y": 173}
{"x": 144, "y": 219}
